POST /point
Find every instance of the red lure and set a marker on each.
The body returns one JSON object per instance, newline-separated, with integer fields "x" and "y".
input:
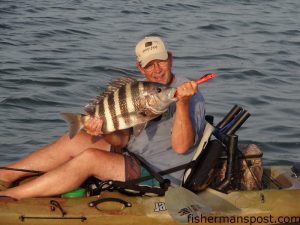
{"x": 204, "y": 79}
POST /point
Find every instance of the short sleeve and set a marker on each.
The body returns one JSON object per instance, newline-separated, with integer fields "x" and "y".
{"x": 197, "y": 114}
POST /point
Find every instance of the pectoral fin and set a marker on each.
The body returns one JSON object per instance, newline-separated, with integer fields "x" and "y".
{"x": 137, "y": 129}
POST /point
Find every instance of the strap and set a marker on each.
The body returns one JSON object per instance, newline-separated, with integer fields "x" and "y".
{"x": 146, "y": 165}
{"x": 131, "y": 187}
{"x": 161, "y": 173}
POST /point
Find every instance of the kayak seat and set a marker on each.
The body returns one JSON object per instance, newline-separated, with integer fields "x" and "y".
{"x": 202, "y": 171}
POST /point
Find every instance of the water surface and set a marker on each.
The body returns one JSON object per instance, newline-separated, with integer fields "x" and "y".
{"x": 57, "y": 55}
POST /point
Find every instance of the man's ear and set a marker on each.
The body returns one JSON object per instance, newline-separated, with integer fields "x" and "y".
{"x": 170, "y": 58}
{"x": 138, "y": 65}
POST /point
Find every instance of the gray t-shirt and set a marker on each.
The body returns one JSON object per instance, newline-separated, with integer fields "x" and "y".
{"x": 154, "y": 142}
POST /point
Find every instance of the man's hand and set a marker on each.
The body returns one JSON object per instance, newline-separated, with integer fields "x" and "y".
{"x": 186, "y": 90}
{"x": 93, "y": 125}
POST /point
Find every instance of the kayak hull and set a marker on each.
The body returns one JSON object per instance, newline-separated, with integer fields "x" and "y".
{"x": 267, "y": 206}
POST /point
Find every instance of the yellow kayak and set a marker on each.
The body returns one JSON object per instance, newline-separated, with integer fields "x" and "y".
{"x": 267, "y": 206}
{"x": 261, "y": 195}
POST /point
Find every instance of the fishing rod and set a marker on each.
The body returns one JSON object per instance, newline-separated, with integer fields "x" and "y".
{"x": 203, "y": 79}
{"x": 206, "y": 78}
{"x": 22, "y": 170}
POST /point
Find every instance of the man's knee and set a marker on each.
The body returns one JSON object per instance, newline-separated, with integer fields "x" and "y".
{"x": 93, "y": 153}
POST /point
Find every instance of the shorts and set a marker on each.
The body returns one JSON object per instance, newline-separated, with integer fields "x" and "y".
{"x": 132, "y": 165}
{"x": 134, "y": 170}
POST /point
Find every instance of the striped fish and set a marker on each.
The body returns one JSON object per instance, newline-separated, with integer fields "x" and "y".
{"x": 125, "y": 103}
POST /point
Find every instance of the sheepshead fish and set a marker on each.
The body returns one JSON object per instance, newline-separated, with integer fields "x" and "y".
{"x": 126, "y": 103}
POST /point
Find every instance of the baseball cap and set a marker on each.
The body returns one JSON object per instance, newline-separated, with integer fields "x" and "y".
{"x": 150, "y": 48}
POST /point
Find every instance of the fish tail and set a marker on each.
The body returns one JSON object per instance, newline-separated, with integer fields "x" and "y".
{"x": 76, "y": 122}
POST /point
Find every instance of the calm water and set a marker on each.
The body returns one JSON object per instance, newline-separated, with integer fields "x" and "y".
{"x": 56, "y": 55}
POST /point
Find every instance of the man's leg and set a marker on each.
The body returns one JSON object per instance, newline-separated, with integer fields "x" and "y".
{"x": 92, "y": 162}
{"x": 55, "y": 154}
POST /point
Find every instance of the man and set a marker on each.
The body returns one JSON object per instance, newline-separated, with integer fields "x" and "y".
{"x": 164, "y": 143}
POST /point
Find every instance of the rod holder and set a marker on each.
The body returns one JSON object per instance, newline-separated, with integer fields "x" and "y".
{"x": 240, "y": 120}
{"x": 232, "y": 161}
{"x": 229, "y": 116}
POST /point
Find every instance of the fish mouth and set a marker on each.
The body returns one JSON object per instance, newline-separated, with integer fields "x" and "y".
{"x": 171, "y": 94}
{"x": 170, "y": 97}
{"x": 157, "y": 112}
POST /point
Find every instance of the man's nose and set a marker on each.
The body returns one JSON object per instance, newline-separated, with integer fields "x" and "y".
{"x": 157, "y": 68}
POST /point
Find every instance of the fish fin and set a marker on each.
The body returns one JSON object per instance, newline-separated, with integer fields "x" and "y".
{"x": 137, "y": 129}
{"x": 119, "y": 82}
{"x": 114, "y": 85}
{"x": 75, "y": 121}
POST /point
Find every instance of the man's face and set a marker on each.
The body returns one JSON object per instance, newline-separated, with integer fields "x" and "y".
{"x": 158, "y": 71}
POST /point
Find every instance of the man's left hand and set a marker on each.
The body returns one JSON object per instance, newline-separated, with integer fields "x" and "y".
{"x": 186, "y": 90}
{"x": 93, "y": 126}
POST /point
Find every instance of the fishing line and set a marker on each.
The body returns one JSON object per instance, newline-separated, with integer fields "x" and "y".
{"x": 22, "y": 170}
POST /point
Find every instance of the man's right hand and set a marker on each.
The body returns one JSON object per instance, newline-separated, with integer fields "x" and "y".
{"x": 93, "y": 125}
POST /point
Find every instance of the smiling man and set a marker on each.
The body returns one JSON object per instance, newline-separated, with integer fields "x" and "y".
{"x": 165, "y": 142}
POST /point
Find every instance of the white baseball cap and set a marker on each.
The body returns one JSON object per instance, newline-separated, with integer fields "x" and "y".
{"x": 150, "y": 48}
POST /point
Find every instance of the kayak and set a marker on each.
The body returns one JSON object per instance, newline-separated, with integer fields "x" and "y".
{"x": 267, "y": 206}
{"x": 244, "y": 193}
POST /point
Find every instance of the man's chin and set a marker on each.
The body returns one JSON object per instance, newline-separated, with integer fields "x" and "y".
{"x": 160, "y": 81}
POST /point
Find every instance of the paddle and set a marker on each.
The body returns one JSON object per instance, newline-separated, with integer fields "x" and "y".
{"x": 184, "y": 205}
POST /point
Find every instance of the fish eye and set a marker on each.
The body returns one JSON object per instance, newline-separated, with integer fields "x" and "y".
{"x": 158, "y": 90}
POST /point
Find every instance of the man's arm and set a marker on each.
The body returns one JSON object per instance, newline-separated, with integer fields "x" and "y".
{"x": 183, "y": 134}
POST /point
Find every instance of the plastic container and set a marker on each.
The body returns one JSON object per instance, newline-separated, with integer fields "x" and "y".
{"x": 78, "y": 193}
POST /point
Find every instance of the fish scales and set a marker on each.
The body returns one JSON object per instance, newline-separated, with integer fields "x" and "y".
{"x": 123, "y": 105}
{"x": 129, "y": 97}
{"x": 101, "y": 111}
{"x": 119, "y": 115}
{"x": 113, "y": 114}
{"x": 108, "y": 117}
{"x": 137, "y": 92}
{"x": 112, "y": 111}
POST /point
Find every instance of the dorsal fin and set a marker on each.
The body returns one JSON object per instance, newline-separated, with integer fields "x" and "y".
{"x": 119, "y": 82}
{"x": 111, "y": 88}
{"x": 116, "y": 84}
